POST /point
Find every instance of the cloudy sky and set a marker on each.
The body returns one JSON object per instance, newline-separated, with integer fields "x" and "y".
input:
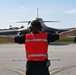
{"x": 16, "y": 10}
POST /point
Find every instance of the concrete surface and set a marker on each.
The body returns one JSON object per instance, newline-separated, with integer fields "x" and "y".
{"x": 62, "y": 56}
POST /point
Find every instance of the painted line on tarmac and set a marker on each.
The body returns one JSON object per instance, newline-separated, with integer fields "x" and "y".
{"x": 61, "y": 69}
{"x": 13, "y": 69}
{"x": 52, "y": 72}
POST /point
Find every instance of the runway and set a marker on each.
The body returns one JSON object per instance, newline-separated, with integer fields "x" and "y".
{"x": 61, "y": 55}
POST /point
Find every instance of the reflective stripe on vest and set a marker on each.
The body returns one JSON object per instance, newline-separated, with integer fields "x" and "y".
{"x": 33, "y": 40}
{"x": 37, "y": 55}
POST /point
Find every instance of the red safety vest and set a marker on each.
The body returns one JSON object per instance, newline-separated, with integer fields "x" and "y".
{"x": 36, "y": 46}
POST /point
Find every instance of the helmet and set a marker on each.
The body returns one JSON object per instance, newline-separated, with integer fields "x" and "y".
{"x": 36, "y": 25}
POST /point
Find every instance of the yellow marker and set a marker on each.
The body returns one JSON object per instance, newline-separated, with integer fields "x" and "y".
{"x": 13, "y": 69}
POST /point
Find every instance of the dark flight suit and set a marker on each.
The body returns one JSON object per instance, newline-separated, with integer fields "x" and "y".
{"x": 36, "y": 67}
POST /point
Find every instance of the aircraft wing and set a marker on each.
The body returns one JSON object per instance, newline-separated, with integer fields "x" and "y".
{"x": 12, "y": 33}
{"x": 8, "y": 33}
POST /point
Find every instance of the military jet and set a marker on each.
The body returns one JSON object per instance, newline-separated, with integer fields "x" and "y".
{"x": 14, "y": 32}
{"x": 9, "y": 32}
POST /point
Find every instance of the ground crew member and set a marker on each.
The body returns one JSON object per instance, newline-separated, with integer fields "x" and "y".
{"x": 36, "y": 46}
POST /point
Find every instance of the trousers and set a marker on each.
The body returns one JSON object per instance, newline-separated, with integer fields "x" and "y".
{"x": 36, "y": 68}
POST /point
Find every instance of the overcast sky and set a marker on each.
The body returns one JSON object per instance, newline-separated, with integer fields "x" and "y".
{"x": 16, "y": 10}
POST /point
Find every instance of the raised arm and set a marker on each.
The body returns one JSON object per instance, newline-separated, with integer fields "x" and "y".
{"x": 67, "y": 33}
{"x": 20, "y": 39}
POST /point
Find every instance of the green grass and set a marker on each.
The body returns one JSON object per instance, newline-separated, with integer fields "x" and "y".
{"x": 1, "y": 42}
{"x": 66, "y": 40}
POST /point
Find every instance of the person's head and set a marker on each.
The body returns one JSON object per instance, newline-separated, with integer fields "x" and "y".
{"x": 36, "y": 26}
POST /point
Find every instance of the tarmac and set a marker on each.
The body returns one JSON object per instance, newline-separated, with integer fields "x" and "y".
{"x": 61, "y": 55}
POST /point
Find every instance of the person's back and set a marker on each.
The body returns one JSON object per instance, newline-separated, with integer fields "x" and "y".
{"x": 36, "y": 46}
